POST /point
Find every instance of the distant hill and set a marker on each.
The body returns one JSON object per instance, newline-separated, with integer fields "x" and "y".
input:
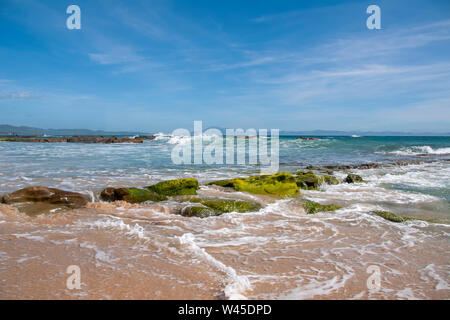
{"x": 348, "y": 133}
{"x": 29, "y": 131}
{"x": 360, "y": 133}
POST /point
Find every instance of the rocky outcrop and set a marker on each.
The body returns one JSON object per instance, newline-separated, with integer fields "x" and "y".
{"x": 216, "y": 207}
{"x": 353, "y": 178}
{"x": 36, "y": 200}
{"x": 309, "y": 181}
{"x": 178, "y": 187}
{"x": 307, "y": 138}
{"x": 280, "y": 185}
{"x": 391, "y": 216}
{"x": 131, "y": 195}
{"x": 83, "y": 139}
{"x": 157, "y": 192}
{"x": 312, "y": 207}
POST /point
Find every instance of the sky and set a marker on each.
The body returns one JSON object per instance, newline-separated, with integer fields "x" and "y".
{"x": 155, "y": 66}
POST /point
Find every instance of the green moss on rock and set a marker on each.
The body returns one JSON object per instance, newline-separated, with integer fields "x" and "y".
{"x": 391, "y": 216}
{"x": 353, "y": 178}
{"x": 142, "y": 195}
{"x": 223, "y": 206}
{"x": 176, "y": 187}
{"x": 329, "y": 179}
{"x": 200, "y": 212}
{"x": 312, "y": 207}
{"x": 307, "y": 180}
{"x": 131, "y": 195}
{"x": 279, "y": 185}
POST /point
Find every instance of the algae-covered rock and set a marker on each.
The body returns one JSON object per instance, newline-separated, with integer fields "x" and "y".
{"x": 225, "y": 205}
{"x": 176, "y": 187}
{"x": 312, "y": 207}
{"x": 391, "y": 216}
{"x": 353, "y": 178}
{"x": 329, "y": 179}
{"x": 307, "y": 180}
{"x": 200, "y": 212}
{"x": 279, "y": 185}
{"x": 131, "y": 195}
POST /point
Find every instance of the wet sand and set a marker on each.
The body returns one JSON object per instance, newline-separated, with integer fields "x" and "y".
{"x": 146, "y": 252}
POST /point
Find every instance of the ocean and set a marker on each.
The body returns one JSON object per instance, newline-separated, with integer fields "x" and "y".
{"x": 145, "y": 251}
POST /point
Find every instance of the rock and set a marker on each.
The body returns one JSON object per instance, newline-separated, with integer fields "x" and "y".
{"x": 101, "y": 139}
{"x": 176, "y": 187}
{"x": 329, "y": 179}
{"x": 391, "y": 216}
{"x": 307, "y": 138}
{"x": 200, "y": 212}
{"x": 279, "y": 185}
{"x": 226, "y": 205}
{"x": 312, "y": 207}
{"x": 353, "y": 178}
{"x": 83, "y": 139}
{"x": 43, "y": 199}
{"x": 216, "y": 207}
{"x": 131, "y": 195}
{"x": 307, "y": 180}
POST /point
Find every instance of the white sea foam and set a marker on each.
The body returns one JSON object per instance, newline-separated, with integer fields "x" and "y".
{"x": 237, "y": 284}
{"x": 417, "y": 150}
{"x": 136, "y": 230}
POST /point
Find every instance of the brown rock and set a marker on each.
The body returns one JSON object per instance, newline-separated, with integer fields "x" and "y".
{"x": 47, "y": 195}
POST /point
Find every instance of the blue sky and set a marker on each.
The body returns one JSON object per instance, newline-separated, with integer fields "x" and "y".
{"x": 159, "y": 65}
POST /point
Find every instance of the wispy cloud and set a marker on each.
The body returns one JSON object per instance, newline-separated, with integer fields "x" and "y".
{"x": 18, "y": 96}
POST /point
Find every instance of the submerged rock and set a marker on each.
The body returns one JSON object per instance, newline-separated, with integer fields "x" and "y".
{"x": 226, "y": 205}
{"x": 38, "y": 199}
{"x": 199, "y": 212}
{"x": 308, "y": 138}
{"x": 131, "y": 195}
{"x": 178, "y": 187}
{"x": 353, "y": 178}
{"x": 216, "y": 207}
{"x": 279, "y": 185}
{"x": 329, "y": 179}
{"x": 391, "y": 216}
{"x": 309, "y": 181}
{"x": 312, "y": 207}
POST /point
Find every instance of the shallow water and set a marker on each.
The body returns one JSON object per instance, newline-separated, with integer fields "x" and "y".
{"x": 147, "y": 252}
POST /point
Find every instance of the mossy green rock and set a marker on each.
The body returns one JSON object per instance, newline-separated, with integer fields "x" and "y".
{"x": 280, "y": 185}
{"x": 131, "y": 195}
{"x": 391, "y": 216}
{"x": 223, "y": 205}
{"x": 353, "y": 178}
{"x": 328, "y": 179}
{"x": 312, "y": 207}
{"x": 199, "y": 212}
{"x": 176, "y": 187}
{"x": 307, "y": 180}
